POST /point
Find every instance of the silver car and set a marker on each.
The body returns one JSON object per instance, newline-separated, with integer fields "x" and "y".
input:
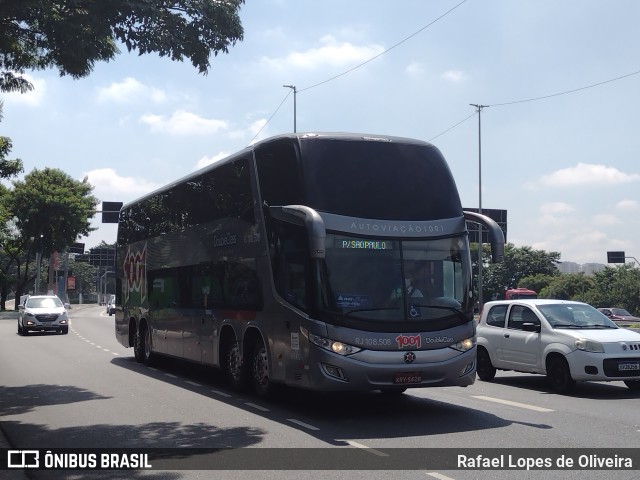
{"x": 43, "y": 313}
{"x": 566, "y": 341}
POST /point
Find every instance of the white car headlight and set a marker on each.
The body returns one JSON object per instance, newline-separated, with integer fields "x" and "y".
{"x": 589, "y": 345}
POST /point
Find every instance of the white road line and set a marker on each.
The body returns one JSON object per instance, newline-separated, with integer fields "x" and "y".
{"x": 513, "y": 404}
{"x": 368, "y": 449}
{"x": 257, "y": 407}
{"x": 439, "y": 476}
{"x": 171, "y": 375}
{"x": 222, "y": 394}
{"x": 302, "y": 424}
{"x": 193, "y": 383}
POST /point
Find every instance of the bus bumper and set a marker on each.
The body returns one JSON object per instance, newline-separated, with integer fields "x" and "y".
{"x": 388, "y": 370}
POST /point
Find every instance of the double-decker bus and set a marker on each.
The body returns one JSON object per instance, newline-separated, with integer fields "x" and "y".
{"x": 330, "y": 262}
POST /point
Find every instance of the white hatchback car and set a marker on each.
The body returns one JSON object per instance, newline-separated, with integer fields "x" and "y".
{"x": 566, "y": 341}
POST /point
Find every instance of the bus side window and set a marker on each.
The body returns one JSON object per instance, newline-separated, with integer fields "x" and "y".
{"x": 241, "y": 286}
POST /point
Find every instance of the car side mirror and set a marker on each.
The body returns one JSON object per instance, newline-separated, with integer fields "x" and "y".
{"x": 531, "y": 327}
{"x": 67, "y": 306}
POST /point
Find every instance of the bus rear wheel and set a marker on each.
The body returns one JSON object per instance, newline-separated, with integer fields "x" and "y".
{"x": 262, "y": 383}
{"x": 235, "y": 368}
{"x": 142, "y": 346}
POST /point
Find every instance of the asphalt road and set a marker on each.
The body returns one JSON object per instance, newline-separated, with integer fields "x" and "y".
{"x": 84, "y": 390}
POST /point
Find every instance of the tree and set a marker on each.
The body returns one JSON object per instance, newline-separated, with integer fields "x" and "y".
{"x": 536, "y": 282}
{"x": 568, "y": 286}
{"x": 72, "y": 35}
{"x": 85, "y": 277}
{"x": 519, "y": 262}
{"x": 616, "y": 287}
{"x": 8, "y": 168}
{"x": 50, "y": 211}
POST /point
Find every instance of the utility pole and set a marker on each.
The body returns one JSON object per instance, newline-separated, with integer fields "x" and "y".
{"x": 479, "y": 110}
{"x": 293, "y": 87}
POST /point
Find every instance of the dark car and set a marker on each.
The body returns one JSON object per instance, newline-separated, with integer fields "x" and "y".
{"x": 619, "y": 315}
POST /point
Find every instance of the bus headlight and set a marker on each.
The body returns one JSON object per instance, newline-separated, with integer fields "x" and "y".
{"x": 340, "y": 348}
{"x": 465, "y": 345}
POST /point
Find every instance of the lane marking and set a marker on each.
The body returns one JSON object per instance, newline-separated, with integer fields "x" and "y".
{"x": 302, "y": 424}
{"x": 513, "y": 404}
{"x": 193, "y": 383}
{"x": 367, "y": 449}
{"x": 439, "y": 476}
{"x": 222, "y": 394}
{"x": 257, "y": 407}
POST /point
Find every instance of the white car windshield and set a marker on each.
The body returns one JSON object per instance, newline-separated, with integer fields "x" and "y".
{"x": 48, "y": 302}
{"x": 575, "y": 316}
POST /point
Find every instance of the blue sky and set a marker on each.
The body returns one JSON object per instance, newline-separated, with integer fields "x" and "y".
{"x": 566, "y": 167}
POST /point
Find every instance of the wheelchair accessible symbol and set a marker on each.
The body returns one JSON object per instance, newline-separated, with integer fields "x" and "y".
{"x": 414, "y": 311}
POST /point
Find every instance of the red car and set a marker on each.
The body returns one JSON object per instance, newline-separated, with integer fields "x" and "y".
{"x": 619, "y": 315}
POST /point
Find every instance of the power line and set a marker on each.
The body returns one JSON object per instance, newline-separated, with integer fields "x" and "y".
{"x": 452, "y": 127}
{"x": 272, "y": 115}
{"x": 566, "y": 92}
{"x": 385, "y": 51}
{"x": 358, "y": 66}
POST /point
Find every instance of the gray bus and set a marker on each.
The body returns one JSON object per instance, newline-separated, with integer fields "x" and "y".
{"x": 326, "y": 261}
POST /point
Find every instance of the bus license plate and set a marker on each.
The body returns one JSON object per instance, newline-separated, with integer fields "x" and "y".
{"x": 624, "y": 367}
{"x": 407, "y": 377}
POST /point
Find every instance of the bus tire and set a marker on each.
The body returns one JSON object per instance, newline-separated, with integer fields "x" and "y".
{"x": 235, "y": 367}
{"x": 142, "y": 346}
{"x": 262, "y": 383}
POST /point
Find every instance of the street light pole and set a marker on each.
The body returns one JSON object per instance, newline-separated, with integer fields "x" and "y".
{"x": 479, "y": 110}
{"x": 293, "y": 87}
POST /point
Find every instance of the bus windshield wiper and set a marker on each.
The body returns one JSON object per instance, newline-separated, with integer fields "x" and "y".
{"x": 457, "y": 311}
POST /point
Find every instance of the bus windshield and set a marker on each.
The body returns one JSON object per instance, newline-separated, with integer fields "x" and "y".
{"x": 388, "y": 281}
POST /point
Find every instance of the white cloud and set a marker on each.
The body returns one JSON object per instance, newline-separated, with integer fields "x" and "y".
{"x": 556, "y": 207}
{"x": 183, "y": 123}
{"x": 632, "y": 205}
{"x": 415, "y": 68}
{"x": 331, "y": 53}
{"x": 109, "y": 185}
{"x": 454, "y": 76}
{"x": 32, "y": 98}
{"x": 129, "y": 90}
{"x": 588, "y": 174}
{"x": 204, "y": 161}
{"x": 606, "y": 220}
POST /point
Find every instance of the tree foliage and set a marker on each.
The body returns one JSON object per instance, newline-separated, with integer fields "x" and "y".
{"x": 569, "y": 286}
{"x": 49, "y": 210}
{"x": 72, "y": 35}
{"x": 519, "y": 262}
{"x": 8, "y": 168}
{"x": 616, "y": 287}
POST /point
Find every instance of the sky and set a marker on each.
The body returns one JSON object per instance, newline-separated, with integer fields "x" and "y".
{"x": 557, "y": 143}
